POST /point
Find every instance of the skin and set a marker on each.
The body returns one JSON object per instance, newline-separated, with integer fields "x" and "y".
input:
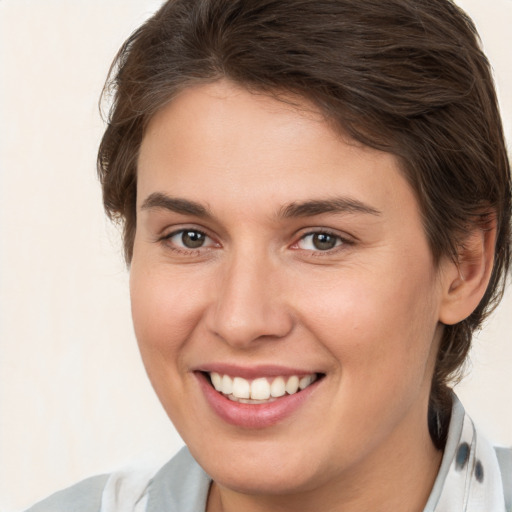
{"x": 365, "y": 313}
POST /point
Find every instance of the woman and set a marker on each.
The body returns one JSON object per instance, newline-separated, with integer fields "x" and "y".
{"x": 316, "y": 204}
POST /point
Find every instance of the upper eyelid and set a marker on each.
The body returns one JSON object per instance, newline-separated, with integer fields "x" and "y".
{"x": 347, "y": 242}
{"x": 175, "y": 232}
{"x": 171, "y": 231}
{"x": 166, "y": 241}
{"x": 328, "y": 231}
{"x": 312, "y": 233}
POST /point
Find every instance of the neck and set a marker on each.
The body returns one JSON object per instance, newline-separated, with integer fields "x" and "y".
{"x": 399, "y": 477}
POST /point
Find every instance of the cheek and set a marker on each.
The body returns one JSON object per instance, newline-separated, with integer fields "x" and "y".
{"x": 165, "y": 310}
{"x": 381, "y": 337}
{"x": 375, "y": 325}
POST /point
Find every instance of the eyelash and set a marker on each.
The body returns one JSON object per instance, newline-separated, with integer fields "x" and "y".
{"x": 186, "y": 251}
{"x": 340, "y": 242}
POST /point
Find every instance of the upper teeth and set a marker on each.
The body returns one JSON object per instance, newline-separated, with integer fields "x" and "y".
{"x": 261, "y": 388}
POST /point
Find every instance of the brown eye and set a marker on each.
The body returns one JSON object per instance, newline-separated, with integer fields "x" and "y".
{"x": 189, "y": 239}
{"x": 193, "y": 239}
{"x": 324, "y": 241}
{"x": 319, "y": 241}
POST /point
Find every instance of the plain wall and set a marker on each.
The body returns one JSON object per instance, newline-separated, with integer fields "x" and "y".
{"x": 74, "y": 398}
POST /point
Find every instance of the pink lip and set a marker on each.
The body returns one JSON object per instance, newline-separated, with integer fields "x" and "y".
{"x": 255, "y": 416}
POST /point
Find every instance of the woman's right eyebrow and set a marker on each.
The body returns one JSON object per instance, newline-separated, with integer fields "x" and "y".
{"x": 157, "y": 200}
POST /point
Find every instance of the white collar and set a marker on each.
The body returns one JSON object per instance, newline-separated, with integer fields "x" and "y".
{"x": 469, "y": 479}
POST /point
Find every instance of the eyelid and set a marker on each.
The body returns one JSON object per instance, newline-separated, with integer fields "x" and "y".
{"x": 167, "y": 239}
{"x": 345, "y": 240}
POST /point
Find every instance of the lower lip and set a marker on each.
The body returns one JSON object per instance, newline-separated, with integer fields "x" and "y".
{"x": 253, "y": 415}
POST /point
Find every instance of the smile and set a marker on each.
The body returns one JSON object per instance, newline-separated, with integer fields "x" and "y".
{"x": 257, "y": 397}
{"x": 260, "y": 390}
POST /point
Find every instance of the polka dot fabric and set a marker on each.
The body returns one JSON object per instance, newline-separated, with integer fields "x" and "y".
{"x": 470, "y": 478}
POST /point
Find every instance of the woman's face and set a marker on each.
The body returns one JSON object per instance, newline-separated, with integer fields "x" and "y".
{"x": 271, "y": 252}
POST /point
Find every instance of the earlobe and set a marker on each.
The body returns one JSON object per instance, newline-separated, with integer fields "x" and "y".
{"x": 465, "y": 280}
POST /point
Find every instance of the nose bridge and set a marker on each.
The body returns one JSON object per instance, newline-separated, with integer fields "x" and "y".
{"x": 247, "y": 304}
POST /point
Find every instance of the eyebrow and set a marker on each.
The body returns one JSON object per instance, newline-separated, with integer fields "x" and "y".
{"x": 174, "y": 204}
{"x": 296, "y": 209}
{"x": 321, "y": 206}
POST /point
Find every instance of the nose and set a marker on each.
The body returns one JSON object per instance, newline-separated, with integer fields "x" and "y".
{"x": 249, "y": 302}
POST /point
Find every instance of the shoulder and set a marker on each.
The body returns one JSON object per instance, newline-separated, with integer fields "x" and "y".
{"x": 84, "y": 496}
{"x": 179, "y": 486}
{"x": 118, "y": 491}
{"x": 504, "y": 456}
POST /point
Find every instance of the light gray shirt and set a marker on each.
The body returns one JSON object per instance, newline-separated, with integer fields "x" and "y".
{"x": 473, "y": 477}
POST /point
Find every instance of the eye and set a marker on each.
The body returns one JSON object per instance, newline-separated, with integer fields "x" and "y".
{"x": 319, "y": 241}
{"x": 189, "y": 239}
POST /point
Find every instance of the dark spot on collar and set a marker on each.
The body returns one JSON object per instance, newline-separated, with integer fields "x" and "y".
{"x": 461, "y": 459}
{"x": 479, "y": 471}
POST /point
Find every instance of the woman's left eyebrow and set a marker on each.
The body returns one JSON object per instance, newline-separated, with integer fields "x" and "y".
{"x": 321, "y": 206}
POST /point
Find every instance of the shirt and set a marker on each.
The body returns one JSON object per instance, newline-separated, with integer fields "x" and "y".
{"x": 473, "y": 477}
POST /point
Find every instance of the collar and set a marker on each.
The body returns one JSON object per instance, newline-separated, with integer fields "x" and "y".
{"x": 469, "y": 478}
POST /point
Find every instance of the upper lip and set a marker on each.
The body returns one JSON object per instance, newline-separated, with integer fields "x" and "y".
{"x": 253, "y": 372}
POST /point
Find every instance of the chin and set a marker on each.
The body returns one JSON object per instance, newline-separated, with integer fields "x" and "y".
{"x": 265, "y": 482}
{"x": 269, "y": 470}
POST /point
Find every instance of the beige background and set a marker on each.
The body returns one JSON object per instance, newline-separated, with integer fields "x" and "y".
{"x": 74, "y": 399}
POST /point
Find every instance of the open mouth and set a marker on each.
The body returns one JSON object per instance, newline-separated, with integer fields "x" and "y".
{"x": 261, "y": 390}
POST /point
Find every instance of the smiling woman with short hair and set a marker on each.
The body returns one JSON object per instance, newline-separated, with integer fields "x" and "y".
{"x": 316, "y": 201}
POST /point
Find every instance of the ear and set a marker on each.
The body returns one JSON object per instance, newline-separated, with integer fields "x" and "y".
{"x": 465, "y": 281}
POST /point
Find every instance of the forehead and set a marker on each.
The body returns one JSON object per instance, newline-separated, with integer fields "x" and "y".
{"x": 220, "y": 142}
{"x": 223, "y": 113}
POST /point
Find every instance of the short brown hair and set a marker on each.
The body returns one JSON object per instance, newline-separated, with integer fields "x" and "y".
{"x": 404, "y": 76}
